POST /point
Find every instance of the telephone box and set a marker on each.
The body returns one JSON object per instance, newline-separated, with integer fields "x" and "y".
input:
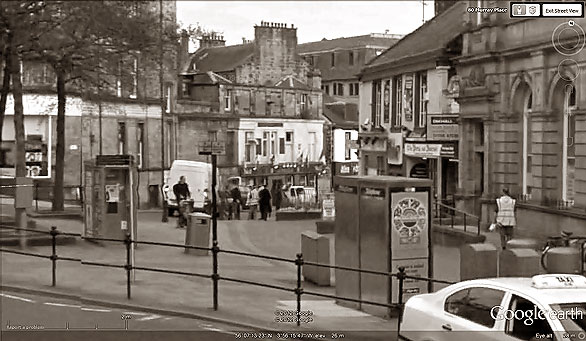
{"x": 382, "y": 223}
{"x": 111, "y": 197}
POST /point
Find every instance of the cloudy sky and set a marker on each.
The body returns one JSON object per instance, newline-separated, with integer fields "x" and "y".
{"x": 315, "y": 20}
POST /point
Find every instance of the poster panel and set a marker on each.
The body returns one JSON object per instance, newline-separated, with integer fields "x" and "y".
{"x": 409, "y": 225}
{"x": 413, "y": 267}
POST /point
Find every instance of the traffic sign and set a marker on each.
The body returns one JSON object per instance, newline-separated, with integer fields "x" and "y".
{"x": 212, "y": 148}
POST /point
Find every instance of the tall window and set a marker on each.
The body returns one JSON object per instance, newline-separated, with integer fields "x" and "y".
{"x": 333, "y": 59}
{"x": 340, "y": 89}
{"x": 312, "y": 146}
{"x": 140, "y": 133}
{"x": 376, "y": 104}
{"x": 303, "y": 103}
{"x": 327, "y": 89}
{"x": 227, "y": 99}
{"x": 119, "y": 80}
{"x": 387, "y": 101}
{"x": 265, "y": 143}
{"x": 134, "y": 75}
{"x": 347, "y": 150}
{"x": 250, "y": 145}
{"x": 398, "y": 108}
{"x": 527, "y": 155}
{"x": 289, "y": 145}
{"x": 356, "y": 87}
{"x": 381, "y": 165}
{"x": 423, "y": 98}
{"x": 121, "y": 138}
{"x": 168, "y": 95}
{"x": 569, "y": 148}
{"x": 351, "y": 58}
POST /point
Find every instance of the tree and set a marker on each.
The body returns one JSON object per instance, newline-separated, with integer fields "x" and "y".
{"x": 90, "y": 39}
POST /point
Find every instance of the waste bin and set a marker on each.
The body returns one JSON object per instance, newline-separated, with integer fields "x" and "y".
{"x": 154, "y": 196}
{"x": 197, "y": 233}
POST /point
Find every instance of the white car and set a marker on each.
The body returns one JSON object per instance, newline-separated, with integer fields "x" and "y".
{"x": 544, "y": 307}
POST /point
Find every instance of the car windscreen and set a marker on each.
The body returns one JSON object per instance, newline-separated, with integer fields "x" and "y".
{"x": 572, "y": 316}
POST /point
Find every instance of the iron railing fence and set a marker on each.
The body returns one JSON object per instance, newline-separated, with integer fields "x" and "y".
{"x": 455, "y": 217}
{"x": 299, "y": 262}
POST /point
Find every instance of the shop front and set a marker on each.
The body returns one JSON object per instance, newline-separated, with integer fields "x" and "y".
{"x": 436, "y": 161}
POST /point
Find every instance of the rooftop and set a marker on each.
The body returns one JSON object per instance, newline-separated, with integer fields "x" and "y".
{"x": 432, "y": 36}
{"x": 347, "y": 43}
{"x": 221, "y": 58}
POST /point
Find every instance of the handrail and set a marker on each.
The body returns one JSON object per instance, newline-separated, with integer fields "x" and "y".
{"x": 456, "y": 210}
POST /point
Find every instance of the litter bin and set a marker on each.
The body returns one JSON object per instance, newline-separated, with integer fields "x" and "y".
{"x": 197, "y": 233}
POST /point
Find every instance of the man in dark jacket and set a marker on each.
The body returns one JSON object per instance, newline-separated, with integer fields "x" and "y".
{"x": 264, "y": 202}
{"x": 236, "y": 201}
{"x": 181, "y": 191}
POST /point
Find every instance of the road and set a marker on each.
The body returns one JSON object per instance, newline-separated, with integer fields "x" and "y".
{"x": 62, "y": 317}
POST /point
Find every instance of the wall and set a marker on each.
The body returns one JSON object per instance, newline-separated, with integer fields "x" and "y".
{"x": 275, "y": 56}
{"x": 340, "y": 145}
{"x": 300, "y": 143}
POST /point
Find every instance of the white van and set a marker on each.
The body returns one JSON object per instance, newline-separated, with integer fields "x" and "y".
{"x": 198, "y": 176}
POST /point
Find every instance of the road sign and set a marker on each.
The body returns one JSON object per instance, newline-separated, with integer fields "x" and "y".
{"x": 212, "y": 147}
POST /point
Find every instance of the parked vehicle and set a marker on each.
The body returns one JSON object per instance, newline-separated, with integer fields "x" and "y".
{"x": 548, "y": 307}
{"x": 198, "y": 176}
{"x": 299, "y": 195}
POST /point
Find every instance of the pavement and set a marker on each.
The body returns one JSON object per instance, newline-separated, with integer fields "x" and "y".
{"x": 241, "y": 306}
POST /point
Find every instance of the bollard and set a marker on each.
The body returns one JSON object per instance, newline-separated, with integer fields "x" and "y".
{"x": 215, "y": 276}
{"x": 299, "y": 289}
{"x": 54, "y": 233}
{"x": 128, "y": 265}
{"x": 401, "y": 278}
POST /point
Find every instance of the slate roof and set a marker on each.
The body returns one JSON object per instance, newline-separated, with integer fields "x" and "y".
{"x": 348, "y": 43}
{"x": 208, "y": 78}
{"x": 433, "y": 36}
{"x": 335, "y": 113}
{"x": 222, "y": 58}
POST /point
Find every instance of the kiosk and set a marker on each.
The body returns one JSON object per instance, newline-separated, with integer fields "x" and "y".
{"x": 382, "y": 223}
{"x": 111, "y": 197}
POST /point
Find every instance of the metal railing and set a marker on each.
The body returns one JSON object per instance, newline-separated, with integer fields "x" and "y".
{"x": 452, "y": 214}
{"x": 299, "y": 262}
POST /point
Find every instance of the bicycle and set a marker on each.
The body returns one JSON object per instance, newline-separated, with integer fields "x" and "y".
{"x": 565, "y": 239}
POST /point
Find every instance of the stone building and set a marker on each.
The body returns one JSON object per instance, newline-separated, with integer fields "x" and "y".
{"x": 340, "y": 60}
{"x": 123, "y": 118}
{"x": 523, "y": 120}
{"x": 258, "y": 98}
{"x": 408, "y": 122}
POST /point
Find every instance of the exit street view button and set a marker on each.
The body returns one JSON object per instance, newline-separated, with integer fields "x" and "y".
{"x": 563, "y": 9}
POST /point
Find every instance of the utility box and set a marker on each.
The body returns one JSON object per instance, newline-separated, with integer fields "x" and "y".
{"x": 382, "y": 223}
{"x": 23, "y": 193}
{"x": 197, "y": 233}
{"x": 111, "y": 197}
{"x": 316, "y": 248}
{"x": 478, "y": 261}
{"x": 519, "y": 263}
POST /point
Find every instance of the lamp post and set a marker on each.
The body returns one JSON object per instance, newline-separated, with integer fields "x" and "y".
{"x": 163, "y": 109}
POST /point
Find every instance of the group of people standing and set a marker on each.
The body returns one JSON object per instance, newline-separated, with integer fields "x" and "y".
{"x": 259, "y": 200}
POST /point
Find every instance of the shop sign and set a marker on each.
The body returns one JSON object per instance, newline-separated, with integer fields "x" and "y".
{"x": 374, "y": 193}
{"x": 350, "y": 168}
{"x": 449, "y": 150}
{"x": 423, "y": 150}
{"x": 346, "y": 189}
{"x": 442, "y": 128}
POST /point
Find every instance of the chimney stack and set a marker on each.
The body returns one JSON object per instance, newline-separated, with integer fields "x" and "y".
{"x": 211, "y": 40}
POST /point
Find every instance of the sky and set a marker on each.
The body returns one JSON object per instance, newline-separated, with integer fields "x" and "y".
{"x": 314, "y": 20}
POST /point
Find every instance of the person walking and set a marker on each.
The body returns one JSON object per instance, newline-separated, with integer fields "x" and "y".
{"x": 252, "y": 202}
{"x": 505, "y": 217}
{"x": 277, "y": 196}
{"x": 264, "y": 202}
{"x": 236, "y": 201}
{"x": 182, "y": 193}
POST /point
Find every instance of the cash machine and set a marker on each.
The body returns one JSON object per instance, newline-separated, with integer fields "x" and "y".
{"x": 382, "y": 223}
{"x": 111, "y": 197}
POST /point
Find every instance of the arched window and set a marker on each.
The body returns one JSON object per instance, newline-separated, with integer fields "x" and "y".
{"x": 568, "y": 147}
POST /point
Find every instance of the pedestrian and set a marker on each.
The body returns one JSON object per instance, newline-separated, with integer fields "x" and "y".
{"x": 264, "y": 202}
{"x": 252, "y": 202}
{"x": 505, "y": 217}
{"x": 182, "y": 193}
{"x": 277, "y": 196}
{"x": 236, "y": 201}
{"x": 229, "y": 200}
